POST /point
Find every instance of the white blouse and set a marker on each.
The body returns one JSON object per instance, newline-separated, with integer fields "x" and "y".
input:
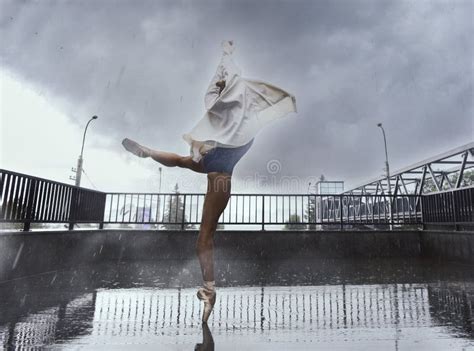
{"x": 236, "y": 115}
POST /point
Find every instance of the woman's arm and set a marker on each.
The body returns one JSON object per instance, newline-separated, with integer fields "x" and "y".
{"x": 221, "y": 85}
{"x": 225, "y": 72}
{"x": 215, "y": 87}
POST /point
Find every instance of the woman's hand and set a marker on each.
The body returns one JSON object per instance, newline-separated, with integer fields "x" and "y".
{"x": 221, "y": 85}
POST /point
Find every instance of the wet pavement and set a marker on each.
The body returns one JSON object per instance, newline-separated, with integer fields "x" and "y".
{"x": 295, "y": 304}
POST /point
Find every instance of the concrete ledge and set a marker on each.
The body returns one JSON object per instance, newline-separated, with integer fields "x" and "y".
{"x": 23, "y": 254}
{"x": 448, "y": 245}
{"x": 29, "y": 253}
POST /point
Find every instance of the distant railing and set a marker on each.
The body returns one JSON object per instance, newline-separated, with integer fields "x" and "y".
{"x": 26, "y": 199}
{"x": 452, "y": 206}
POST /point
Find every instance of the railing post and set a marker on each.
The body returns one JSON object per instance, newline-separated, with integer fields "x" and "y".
{"x": 456, "y": 227}
{"x": 422, "y": 213}
{"x": 341, "y": 212}
{"x": 184, "y": 210}
{"x": 31, "y": 206}
{"x": 73, "y": 207}
{"x": 26, "y": 226}
{"x": 103, "y": 201}
{"x": 391, "y": 202}
{"x": 263, "y": 212}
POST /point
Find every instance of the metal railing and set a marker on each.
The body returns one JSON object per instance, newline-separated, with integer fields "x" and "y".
{"x": 27, "y": 199}
{"x": 295, "y": 211}
{"x": 456, "y": 207}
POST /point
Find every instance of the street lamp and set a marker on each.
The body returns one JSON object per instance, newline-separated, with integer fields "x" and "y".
{"x": 387, "y": 168}
{"x": 79, "y": 160}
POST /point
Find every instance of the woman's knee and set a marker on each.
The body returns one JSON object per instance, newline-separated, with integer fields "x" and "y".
{"x": 182, "y": 161}
{"x": 204, "y": 243}
{"x": 207, "y": 228}
{"x": 187, "y": 162}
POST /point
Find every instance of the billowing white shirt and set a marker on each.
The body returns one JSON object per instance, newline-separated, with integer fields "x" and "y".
{"x": 242, "y": 109}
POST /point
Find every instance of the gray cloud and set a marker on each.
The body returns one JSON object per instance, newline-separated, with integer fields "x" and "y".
{"x": 143, "y": 66}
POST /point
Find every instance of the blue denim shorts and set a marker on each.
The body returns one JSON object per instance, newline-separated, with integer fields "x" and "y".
{"x": 224, "y": 159}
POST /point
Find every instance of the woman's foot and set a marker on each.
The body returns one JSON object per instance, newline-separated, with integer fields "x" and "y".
{"x": 135, "y": 148}
{"x": 209, "y": 298}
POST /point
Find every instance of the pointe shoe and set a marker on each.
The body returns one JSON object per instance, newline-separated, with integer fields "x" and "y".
{"x": 135, "y": 148}
{"x": 209, "y": 298}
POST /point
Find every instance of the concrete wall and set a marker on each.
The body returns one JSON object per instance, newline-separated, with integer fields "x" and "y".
{"x": 133, "y": 245}
{"x": 446, "y": 245}
{"x": 23, "y": 254}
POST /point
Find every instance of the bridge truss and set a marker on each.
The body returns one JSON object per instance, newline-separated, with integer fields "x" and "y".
{"x": 445, "y": 171}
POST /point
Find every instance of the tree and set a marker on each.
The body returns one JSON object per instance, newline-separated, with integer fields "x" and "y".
{"x": 310, "y": 212}
{"x": 291, "y": 224}
{"x": 467, "y": 180}
{"x": 174, "y": 212}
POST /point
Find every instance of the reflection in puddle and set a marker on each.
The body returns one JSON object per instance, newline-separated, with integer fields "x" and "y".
{"x": 397, "y": 316}
{"x": 133, "y": 312}
{"x": 298, "y": 305}
{"x": 207, "y": 340}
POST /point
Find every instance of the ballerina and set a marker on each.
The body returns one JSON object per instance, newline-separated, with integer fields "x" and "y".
{"x": 236, "y": 110}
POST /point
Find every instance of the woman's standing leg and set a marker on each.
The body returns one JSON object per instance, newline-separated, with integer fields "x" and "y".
{"x": 217, "y": 197}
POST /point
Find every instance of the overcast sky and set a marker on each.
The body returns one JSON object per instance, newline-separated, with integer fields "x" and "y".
{"x": 143, "y": 68}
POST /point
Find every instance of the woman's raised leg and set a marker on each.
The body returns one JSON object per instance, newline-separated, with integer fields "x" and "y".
{"x": 168, "y": 159}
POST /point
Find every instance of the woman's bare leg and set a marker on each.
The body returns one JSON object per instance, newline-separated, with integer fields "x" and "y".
{"x": 168, "y": 159}
{"x": 174, "y": 160}
{"x": 217, "y": 197}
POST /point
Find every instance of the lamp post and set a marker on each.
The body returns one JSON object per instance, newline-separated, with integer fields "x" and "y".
{"x": 79, "y": 160}
{"x": 387, "y": 169}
